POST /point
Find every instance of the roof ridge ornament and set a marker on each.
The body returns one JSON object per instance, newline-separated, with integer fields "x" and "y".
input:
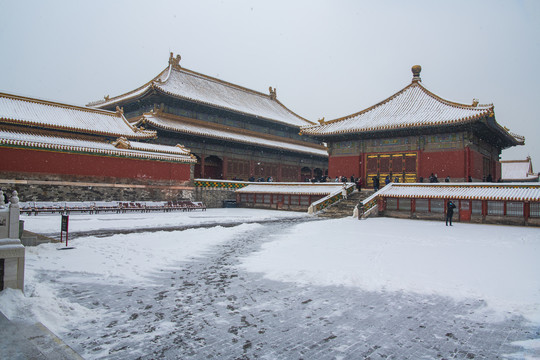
{"x": 416, "y": 69}
{"x": 273, "y": 93}
{"x": 121, "y": 143}
{"x": 183, "y": 148}
{"x": 475, "y": 102}
{"x": 174, "y": 61}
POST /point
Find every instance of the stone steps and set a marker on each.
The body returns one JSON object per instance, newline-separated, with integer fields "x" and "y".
{"x": 344, "y": 208}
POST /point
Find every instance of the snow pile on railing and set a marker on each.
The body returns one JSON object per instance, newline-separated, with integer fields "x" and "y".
{"x": 331, "y": 199}
{"x": 95, "y": 207}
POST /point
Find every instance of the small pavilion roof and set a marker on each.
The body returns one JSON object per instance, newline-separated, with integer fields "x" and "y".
{"x": 185, "y": 84}
{"x": 23, "y": 111}
{"x": 176, "y": 124}
{"x": 518, "y": 170}
{"x": 412, "y": 107}
{"x": 122, "y": 147}
{"x": 474, "y": 191}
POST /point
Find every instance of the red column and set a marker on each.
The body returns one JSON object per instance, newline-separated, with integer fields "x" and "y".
{"x": 419, "y": 165}
{"x": 202, "y": 166}
{"x": 251, "y": 167}
{"x": 224, "y": 167}
{"x": 467, "y": 163}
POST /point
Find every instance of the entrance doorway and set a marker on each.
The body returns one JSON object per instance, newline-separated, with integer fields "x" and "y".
{"x": 401, "y": 166}
{"x": 213, "y": 167}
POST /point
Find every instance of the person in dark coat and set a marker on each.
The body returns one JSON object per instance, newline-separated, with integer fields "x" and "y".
{"x": 359, "y": 184}
{"x": 449, "y": 212}
{"x": 376, "y": 183}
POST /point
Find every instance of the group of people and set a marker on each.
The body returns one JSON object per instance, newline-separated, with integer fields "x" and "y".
{"x": 260, "y": 179}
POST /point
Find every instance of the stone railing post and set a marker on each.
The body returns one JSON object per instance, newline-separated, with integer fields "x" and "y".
{"x": 11, "y": 249}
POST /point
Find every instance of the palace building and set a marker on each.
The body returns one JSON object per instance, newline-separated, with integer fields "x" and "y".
{"x": 55, "y": 150}
{"x": 413, "y": 134}
{"x": 234, "y": 132}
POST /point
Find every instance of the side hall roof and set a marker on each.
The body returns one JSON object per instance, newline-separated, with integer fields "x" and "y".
{"x": 412, "y": 107}
{"x": 454, "y": 191}
{"x": 178, "y": 124}
{"x": 24, "y": 111}
{"x": 185, "y": 84}
{"x": 518, "y": 170}
{"x": 122, "y": 147}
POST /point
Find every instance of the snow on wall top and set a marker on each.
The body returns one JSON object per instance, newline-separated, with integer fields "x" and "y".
{"x": 189, "y": 85}
{"x": 517, "y": 170}
{"x": 122, "y": 147}
{"x": 27, "y": 111}
{"x": 292, "y": 188}
{"x": 475, "y": 191}
{"x": 184, "y": 127}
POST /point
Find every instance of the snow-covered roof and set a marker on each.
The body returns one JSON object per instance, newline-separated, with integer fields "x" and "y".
{"x": 189, "y": 85}
{"x": 516, "y": 170}
{"x": 476, "y": 191}
{"x": 292, "y": 188}
{"x": 176, "y": 124}
{"x": 121, "y": 147}
{"x": 25, "y": 111}
{"x": 414, "y": 106}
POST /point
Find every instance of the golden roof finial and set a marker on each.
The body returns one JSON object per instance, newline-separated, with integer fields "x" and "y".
{"x": 475, "y": 102}
{"x": 321, "y": 121}
{"x": 119, "y": 110}
{"x": 416, "y": 73}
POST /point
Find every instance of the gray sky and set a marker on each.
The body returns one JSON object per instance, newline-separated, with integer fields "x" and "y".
{"x": 326, "y": 58}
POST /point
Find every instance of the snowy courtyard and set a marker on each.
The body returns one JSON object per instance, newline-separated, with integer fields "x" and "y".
{"x": 260, "y": 284}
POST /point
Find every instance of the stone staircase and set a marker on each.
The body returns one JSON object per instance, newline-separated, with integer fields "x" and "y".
{"x": 345, "y": 208}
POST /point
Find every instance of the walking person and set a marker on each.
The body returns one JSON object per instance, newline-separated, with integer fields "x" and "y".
{"x": 449, "y": 212}
{"x": 376, "y": 183}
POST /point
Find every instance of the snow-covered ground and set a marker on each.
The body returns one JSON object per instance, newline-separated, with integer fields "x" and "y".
{"x": 85, "y": 293}
{"x": 499, "y": 264}
{"x": 82, "y": 223}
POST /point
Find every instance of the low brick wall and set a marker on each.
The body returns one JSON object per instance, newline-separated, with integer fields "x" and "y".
{"x": 89, "y": 189}
{"x": 213, "y": 197}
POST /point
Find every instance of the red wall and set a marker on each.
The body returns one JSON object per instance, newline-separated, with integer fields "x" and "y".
{"x": 48, "y": 162}
{"x": 454, "y": 163}
{"x": 344, "y": 166}
{"x": 443, "y": 164}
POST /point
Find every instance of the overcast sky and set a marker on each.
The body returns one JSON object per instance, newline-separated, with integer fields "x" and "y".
{"x": 326, "y": 58}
